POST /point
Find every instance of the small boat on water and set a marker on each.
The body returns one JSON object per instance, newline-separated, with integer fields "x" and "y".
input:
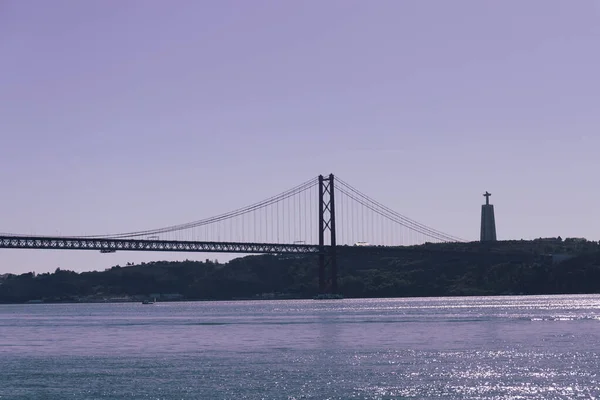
{"x": 149, "y": 301}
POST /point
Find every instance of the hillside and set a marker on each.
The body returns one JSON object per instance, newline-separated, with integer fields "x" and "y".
{"x": 543, "y": 266}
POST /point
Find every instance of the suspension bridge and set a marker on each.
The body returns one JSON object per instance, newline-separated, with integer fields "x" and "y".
{"x": 319, "y": 216}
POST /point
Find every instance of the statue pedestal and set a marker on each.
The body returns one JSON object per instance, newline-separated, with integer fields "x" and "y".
{"x": 488, "y": 223}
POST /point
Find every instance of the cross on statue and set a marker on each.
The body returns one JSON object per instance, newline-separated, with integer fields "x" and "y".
{"x": 487, "y": 198}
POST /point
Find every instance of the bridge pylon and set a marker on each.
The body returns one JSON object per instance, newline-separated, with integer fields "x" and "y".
{"x": 327, "y": 254}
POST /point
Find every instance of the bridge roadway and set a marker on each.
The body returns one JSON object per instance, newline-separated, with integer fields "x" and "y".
{"x": 110, "y": 245}
{"x": 107, "y": 245}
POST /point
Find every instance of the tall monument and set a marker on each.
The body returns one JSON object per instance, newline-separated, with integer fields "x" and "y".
{"x": 488, "y": 223}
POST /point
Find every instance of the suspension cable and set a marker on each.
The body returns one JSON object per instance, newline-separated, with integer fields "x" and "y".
{"x": 241, "y": 211}
{"x": 379, "y": 208}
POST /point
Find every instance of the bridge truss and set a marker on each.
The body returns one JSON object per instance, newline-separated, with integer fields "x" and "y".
{"x": 112, "y": 245}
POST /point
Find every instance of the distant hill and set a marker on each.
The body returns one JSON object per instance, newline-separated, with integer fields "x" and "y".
{"x": 542, "y": 266}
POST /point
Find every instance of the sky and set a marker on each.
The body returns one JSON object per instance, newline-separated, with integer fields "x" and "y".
{"x": 123, "y": 115}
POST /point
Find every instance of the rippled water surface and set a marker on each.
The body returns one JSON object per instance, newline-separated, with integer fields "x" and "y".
{"x": 542, "y": 347}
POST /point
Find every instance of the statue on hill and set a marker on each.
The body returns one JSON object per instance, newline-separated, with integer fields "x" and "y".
{"x": 488, "y": 222}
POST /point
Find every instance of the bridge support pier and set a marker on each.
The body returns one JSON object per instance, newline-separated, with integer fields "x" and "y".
{"x": 327, "y": 255}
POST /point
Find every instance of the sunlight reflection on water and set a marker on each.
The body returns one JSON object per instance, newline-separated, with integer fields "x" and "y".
{"x": 537, "y": 347}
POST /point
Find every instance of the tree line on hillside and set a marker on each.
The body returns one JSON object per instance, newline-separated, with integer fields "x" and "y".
{"x": 451, "y": 269}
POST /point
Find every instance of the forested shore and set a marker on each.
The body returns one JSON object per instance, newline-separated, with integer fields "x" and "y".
{"x": 542, "y": 266}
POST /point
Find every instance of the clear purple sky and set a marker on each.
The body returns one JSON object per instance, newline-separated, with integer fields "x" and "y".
{"x": 125, "y": 115}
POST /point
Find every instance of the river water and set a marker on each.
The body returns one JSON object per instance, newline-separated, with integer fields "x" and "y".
{"x": 534, "y": 347}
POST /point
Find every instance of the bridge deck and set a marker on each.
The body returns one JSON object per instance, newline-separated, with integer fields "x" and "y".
{"x": 110, "y": 245}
